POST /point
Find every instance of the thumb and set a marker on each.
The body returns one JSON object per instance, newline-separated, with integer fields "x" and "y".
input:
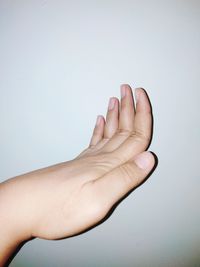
{"x": 114, "y": 185}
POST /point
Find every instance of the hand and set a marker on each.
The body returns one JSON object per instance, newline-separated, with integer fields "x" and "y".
{"x": 67, "y": 198}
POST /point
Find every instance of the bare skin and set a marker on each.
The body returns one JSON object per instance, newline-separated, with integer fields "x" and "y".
{"x": 68, "y": 198}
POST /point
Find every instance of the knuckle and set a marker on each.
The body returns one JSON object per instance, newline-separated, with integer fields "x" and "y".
{"x": 128, "y": 173}
{"x": 123, "y": 132}
{"x": 136, "y": 135}
{"x": 105, "y": 139}
{"x": 123, "y": 105}
{"x": 140, "y": 137}
{"x": 91, "y": 146}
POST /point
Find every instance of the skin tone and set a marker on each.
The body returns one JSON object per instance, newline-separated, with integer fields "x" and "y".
{"x": 68, "y": 198}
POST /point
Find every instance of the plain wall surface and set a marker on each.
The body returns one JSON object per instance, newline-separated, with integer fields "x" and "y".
{"x": 60, "y": 61}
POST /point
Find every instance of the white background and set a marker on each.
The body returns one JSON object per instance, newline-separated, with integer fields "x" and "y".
{"x": 60, "y": 61}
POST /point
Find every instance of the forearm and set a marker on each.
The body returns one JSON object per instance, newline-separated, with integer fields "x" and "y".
{"x": 8, "y": 247}
{"x": 12, "y": 236}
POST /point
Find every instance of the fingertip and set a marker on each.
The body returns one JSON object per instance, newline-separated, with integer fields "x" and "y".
{"x": 125, "y": 90}
{"x": 98, "y": 130}
{"x": 142, "y": 100}
{"x": 100, "y": 120}
{"x": 138, "y": 92}
{"x": 113, "y": 101}
{"x": 145, "y": 161}
{"x": 112, "y": 117}
{"x": 155, "y": 160}
{"x": 116, "y": 103}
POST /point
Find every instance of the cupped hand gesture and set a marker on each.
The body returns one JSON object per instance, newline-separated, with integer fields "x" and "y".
{"x": 68, "y": 198}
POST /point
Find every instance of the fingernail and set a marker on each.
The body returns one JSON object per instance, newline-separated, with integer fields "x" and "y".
{"x": 123, "y": 91}
{"x": 111, "y": 103}
{"x": 142, "y": 160}
{"x": 98, "y": 120}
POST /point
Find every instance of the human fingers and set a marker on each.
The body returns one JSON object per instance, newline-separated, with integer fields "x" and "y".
{"x": 111, "y": 187}
{"x": 98, "y": 131}
{"x": 142, "y": 128}
{"x": 125, "y": 120}
{"x": 127, "y": 108}
{"x": 112, "y": 118}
